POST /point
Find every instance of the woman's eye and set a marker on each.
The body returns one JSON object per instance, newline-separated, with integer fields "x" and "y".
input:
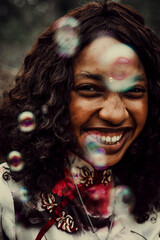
{"x": 135, "y": 92}
{"x": 88, "y": 90}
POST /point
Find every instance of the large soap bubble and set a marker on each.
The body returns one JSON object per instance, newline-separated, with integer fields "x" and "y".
{"x": 125, "y": 197}
{"x": 120, "y": 60}
{"x": 66, "y": 36}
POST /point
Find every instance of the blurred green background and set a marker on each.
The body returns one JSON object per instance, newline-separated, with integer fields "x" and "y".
{"x": 21, "y": 22}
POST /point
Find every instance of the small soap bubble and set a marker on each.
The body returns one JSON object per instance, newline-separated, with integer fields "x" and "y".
{"x": 120, "y": 60}
{"x": 15, "y": 161}
{"x": 95, "y": 154}
{"x": 99, "y": 158}
{"x": 91, "y": 143}
{"x": 66, "y": 36}
{"x": 125, "y": 197}
{"x": 26, "y": 121}
{"x": 23, "y": 194}
{"x": 44, "y": 109}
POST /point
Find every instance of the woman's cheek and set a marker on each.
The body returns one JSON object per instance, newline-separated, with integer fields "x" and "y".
{"x": 81, "y": 109}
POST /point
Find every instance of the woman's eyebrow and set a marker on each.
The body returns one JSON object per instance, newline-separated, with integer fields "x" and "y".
{"x": 140, "y": 78}
{"x": 96, "y": 77}
{"x": 100, "y": 78}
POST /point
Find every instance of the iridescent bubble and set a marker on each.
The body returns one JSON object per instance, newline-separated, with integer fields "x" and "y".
{"x": 125, "y": 197}
{"x": 23, "y": 194}
{"x": 95, "y": 154}
{"x": 120, "y": 61}
{"x": 91, "y": 143}
{"x": 15, "y": 161}
{"x": 45, "y": 109}
{"x": 26, "y": 121}
{"x": 125, "y": 85}
{"x": 99, "y": 158}
{"x": 66, "y": 36}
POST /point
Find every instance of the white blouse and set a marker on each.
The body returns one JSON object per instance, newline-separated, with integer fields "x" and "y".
{"x": 124, "y": 227}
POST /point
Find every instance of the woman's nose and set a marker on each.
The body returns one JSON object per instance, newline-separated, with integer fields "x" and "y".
{"x": 113, "y": 109}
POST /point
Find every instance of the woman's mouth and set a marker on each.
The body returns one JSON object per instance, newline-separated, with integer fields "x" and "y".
{"x": 110, "y": 141}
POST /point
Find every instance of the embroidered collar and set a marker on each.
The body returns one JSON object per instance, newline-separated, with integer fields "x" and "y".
{"x": 63, "y": 205}
{"x": 85, "y": 174}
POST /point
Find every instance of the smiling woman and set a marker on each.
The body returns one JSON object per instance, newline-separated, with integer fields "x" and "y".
{"x": 103, "y": 113}
{"x": 79, "y": 131}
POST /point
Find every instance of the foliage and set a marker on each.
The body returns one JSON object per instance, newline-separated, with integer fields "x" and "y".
{"x": 21, "y": 21}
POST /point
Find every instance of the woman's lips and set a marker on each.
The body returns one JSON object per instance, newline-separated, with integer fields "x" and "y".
{"x": 111, "y": 142}
{"x": 113, "y": 148}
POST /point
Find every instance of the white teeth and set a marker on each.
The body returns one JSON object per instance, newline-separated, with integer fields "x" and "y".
{"x": 118, "y": 137}
{"x": 108, "y": 139}
{"x": 103, "y": 138}
{"x": 114, "y": 139}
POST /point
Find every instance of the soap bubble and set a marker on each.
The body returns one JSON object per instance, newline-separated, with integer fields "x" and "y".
{"x": 15, "y": 161}
{"x": 91, "y": 143}
{"x": 23, "y": 194}
{"x": 26, "y": 121}
{"x": 99, "y": 158}
{"x": 95, "y": 154}
{"x": 120, "y": 60}
{"x": 66, "y": 36}
{"x": 121, "y": 86}
{"x": 45, "y": 109}
{"x": 125, "y": 197}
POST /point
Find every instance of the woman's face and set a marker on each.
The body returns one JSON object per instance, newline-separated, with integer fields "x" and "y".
{"x": 109, "y": 100}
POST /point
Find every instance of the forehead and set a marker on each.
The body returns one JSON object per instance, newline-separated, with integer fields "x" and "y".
{"x": 99, "y": 45}
{"x": 105, "y": 51}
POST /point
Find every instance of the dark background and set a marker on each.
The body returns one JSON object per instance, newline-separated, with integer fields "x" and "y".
{"x": 21, "y": 22}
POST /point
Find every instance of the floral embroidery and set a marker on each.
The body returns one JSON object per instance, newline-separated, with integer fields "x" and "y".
{"x": 107, "y": 177}
{"x": 86, "y": 176}
{"x": 66, "y": 223}
{"x": 48, "y": 202}
{"x": 153, "y": 217}
{"x": 96, "y": 193}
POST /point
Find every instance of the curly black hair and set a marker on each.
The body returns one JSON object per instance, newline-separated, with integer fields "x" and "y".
{"x": 46, "y": 79}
